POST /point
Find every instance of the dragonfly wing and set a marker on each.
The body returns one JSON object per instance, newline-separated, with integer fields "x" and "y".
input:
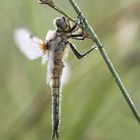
{"x": 44, "y": 58}
{"x": 66, "y": 73}
{"x": 28, "y": 44}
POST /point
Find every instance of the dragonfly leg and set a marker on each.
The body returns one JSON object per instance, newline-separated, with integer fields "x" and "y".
{"x": 76, "y": 27}
{"x": 78, "y": 54}
{"x": 80, "y": 36}
{"x": 79, "y": 21}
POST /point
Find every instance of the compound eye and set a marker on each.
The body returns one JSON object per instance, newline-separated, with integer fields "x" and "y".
{"x": 60, "y": 23}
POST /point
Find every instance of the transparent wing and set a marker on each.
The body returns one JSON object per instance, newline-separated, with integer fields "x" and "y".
{"x": 44, "y": 59}
{"x": 66, "y": 73}
{"x": 28, "y": 44}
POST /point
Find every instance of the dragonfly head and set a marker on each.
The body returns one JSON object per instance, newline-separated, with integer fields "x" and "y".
{"x": 61, "y": 24}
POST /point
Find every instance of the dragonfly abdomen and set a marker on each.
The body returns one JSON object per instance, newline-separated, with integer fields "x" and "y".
{"x": 55, "y": 111}
{"x": 56, "y": 85}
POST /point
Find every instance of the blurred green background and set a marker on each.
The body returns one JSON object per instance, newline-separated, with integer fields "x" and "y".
{"x": 92, "y": 106}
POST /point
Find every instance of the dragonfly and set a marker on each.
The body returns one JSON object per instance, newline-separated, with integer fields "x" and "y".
{"x": 53, "y": 50}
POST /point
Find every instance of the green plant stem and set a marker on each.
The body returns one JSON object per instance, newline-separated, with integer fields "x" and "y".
{"x": 59, "y": 10}
{"x": 107, "y": 61}
{"x": 63, "y": 13}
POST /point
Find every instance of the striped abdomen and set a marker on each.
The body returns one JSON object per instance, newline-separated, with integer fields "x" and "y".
{"x": 55, "y": 91}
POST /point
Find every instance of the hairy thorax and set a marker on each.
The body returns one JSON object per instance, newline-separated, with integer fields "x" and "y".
{"x": 56, "y": 50}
